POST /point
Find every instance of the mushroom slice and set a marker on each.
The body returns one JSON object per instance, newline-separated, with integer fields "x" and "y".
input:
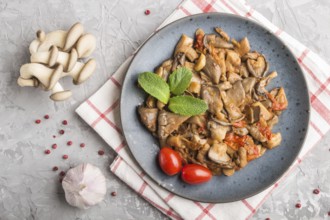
{"x": 185, "y": 46}
{"x": 228, "y": 172}
{"x": 211, "y": 40}
{"x": 200, "y": 62}
{"x": 240, "y": 131}
{"x": 243, "y": 71}
{"x": 199, "y": 120}
{"x": 248, "y": 84}
{"x": 224, "y": 86}
{"x": 258, "y": 67}
{"x": 148, "y": 117}
{"x": 176, "y": 141}
{"x": 219, "y": 56}
{"x": 151, "y": 102}
{"x": 233, "y": 61}
{"x": 281, "y": 100}
{"x": 251, "y": 55}
{"x": 195, "y": 84}
{"x": 160, "y": 105}
{"x": 222, "y": 43}
{"x": 234, "y": 77}
{"x": 196, "y": 142}
{"x": 178, "y": 60}
{"x": 202, "y": 152}
{"x": 223, "y": 34}
{"x": 236, "y": 94}
{"x": 212, "y": 69}
{"x": 252, "y": 114}
{"x": 218, "y": 132}
{"x": 222, "y": 120}
{"x": 189, "y": 65}
{"x": 274, "y": 141}
{"x": 211, "y": 95}
{"x": 164, "y": 70}
{"x": 260, "y": 86}
{"x": 233, "y": 111}
{"x": 273, "y": 121}
{"x": 208, "y": 41}
{"x": 218, "y": 154}
{"x": 168, "y": 122}
{"x": 263, "y": 111}
{"x": 243, "y": 46}
{"x": 256, "y": 134}
{"x": 242, "y": 153}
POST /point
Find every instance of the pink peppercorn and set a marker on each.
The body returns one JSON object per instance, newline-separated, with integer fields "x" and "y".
{"x": 61, "y": 131}
{"x": 38, "y": 121}
{"x": 113, "y": 194}
{"x": 147, "y": 12}
{"x": 47, "y": 151}
{"x": 82, "y": 145}
{"x": 55, "y": 168}
{"x": 316, "y": 191}
{"x": 69, "y": 143}
{"x": 65, "y": 156}
{"x": 101, "y": 152}
{"x": 298, "y": 205}
{"x": 64, "y": 122}
{"x": 62, "y": 173}
{"x": 54, "y": 146}
{"x": 46, "y": 117}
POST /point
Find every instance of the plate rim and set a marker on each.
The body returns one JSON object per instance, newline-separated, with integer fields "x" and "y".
{"x": 244, "y": 19}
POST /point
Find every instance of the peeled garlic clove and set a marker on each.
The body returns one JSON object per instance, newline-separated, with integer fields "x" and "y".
{"x": 84, "y": 186}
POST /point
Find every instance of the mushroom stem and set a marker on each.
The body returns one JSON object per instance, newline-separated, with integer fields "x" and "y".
{"x": 59, "y": 94}
{"x": 41, "y": 72}
{"x": 68, "y": 60}
{"x": 27, "y": 82}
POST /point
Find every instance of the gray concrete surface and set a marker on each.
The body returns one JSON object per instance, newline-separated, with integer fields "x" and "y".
{"x": 29, "y": 189}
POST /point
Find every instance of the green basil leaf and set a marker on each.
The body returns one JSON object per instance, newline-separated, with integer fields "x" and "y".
{"x": 155, "y": 86}
{"x": 187, "y": 105}
{"x": 179, "y": 80}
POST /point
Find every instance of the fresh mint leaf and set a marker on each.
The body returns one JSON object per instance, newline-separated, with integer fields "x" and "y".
{"x": 187, "y": 105}
{"x": 155, "y": 86}
{"x": 179, "y": 80}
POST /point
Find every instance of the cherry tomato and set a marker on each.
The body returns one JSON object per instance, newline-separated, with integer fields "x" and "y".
{"x": 170, "y": 161}
{"x": 195, "y": 174}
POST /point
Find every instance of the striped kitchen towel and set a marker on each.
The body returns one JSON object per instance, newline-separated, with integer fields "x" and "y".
{"x": 101, "y": 112}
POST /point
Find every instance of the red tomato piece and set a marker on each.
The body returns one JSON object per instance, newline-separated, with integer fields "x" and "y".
{"x": 170, "y": 161}
{"x": 195, "y": 174}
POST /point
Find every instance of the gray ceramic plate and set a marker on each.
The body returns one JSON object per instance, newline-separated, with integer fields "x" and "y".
{"x": 260, "y": 173}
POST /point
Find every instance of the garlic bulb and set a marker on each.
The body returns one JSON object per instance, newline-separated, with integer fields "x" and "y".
{"x": 84, "y": 186}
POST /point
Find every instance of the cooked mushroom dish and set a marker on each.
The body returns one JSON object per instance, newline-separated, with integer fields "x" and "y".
{"x": 210, "y": 104}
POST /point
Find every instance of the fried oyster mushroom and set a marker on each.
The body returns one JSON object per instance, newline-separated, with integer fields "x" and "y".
{"x": 233, "y": 81}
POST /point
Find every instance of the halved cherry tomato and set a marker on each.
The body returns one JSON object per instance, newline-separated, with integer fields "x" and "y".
{"x": 170, "y": 161}
{"x": 195, "y": 174}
